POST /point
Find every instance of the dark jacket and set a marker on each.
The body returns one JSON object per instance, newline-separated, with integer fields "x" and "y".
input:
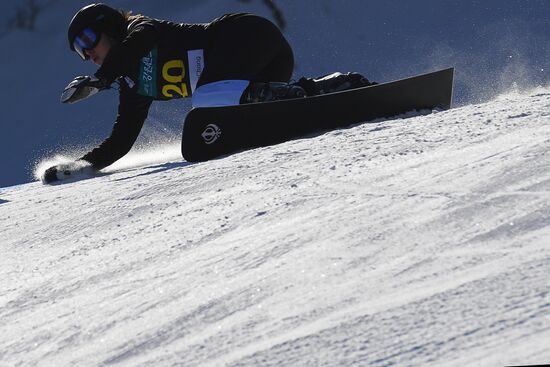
{"x": 157, "y": 60}
{"x": 160, "y": 60}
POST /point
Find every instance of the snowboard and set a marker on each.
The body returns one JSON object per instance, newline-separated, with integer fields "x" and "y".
{"x": 210, "y": 132}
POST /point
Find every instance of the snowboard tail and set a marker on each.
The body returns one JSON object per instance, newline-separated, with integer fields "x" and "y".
{"x": 215, "y": 131}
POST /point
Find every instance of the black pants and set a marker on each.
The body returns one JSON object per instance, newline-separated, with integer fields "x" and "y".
{"x": 246, "y": 47}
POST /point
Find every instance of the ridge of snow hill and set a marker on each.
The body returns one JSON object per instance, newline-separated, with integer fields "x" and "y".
{"x": 413, "y": 241}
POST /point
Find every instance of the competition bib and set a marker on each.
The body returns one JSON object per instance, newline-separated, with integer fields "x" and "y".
{"x": 171, "y": 78}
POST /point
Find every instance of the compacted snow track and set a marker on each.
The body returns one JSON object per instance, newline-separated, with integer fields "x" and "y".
{"x": 413, "y": 241}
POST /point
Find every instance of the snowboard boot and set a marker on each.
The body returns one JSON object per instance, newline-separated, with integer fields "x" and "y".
{"x": 271, "y": 91}
{"x": 331, "y": 83}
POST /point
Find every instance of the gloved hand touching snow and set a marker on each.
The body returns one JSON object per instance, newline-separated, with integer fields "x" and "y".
{"x": 64, "y": 171}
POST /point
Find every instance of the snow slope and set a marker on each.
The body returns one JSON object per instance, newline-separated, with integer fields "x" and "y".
{"x": 415, "y": 241}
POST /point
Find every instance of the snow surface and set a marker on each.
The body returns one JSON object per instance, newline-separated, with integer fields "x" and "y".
{"x": 413, "y": 241}
{"x": 493, "y": 44}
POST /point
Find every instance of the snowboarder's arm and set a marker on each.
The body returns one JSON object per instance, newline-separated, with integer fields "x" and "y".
{"x": 132, "y": 112}
{"x": 142, "y": 37}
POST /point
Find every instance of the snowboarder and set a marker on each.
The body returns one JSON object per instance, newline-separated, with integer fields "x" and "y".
{"x": 235, "y": 59}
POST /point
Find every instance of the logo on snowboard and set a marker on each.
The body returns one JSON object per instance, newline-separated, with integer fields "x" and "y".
{"x": 211, "y": 133}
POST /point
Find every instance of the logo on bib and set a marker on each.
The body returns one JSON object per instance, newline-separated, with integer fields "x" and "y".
{"x": 148, "y": 75}
{"x": 211, "y": 133}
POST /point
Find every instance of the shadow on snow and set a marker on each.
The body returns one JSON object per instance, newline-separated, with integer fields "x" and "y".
{"x": 157, "y": 169}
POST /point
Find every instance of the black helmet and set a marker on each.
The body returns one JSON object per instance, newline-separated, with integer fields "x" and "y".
{"x": 101, "y": 18}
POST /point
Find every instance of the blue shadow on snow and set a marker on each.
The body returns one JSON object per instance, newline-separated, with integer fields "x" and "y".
{"x": 157, "y": 169}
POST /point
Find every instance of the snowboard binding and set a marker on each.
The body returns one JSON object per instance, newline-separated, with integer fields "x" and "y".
{"x": 271, "y": 91}
{"x": 331, "y": 83}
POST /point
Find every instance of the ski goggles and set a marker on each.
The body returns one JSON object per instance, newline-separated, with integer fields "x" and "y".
{"x": 86, "y": 40}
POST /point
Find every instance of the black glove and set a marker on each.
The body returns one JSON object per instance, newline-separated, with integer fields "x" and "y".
{"x": 50, "y": 175}
{"x": 65, "y": 171}
{"x": 83, "y": 87}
